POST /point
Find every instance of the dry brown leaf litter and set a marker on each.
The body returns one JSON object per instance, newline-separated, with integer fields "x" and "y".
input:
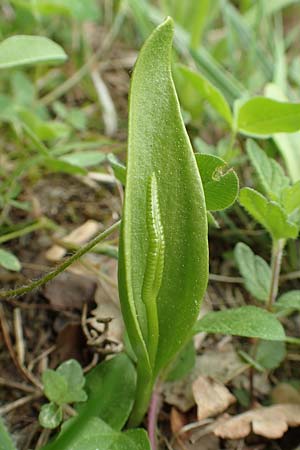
{"x": 211, "y": 397}
{"x": 270, "y": 422}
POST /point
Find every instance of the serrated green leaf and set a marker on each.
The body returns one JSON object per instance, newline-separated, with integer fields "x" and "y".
{"x": 6, "y": 442}
{"x": 9, "y": 261}
{"x": 55, "y": 386}
{"x": 25, "y": 50}
{"x": 288, "y": 301}
{"x": 97, "y": 435}
{"x": 270, "y": 354}
{"x": 262, "y": 116}
{"x": 220, "y": 184}
{"x": 291, "y": 197}
{"x": 269, "y": 214}
{"x": 208, "y": 92}
{"x": 254, "y": 270}
{"x": 183, "y": 363}
{"x": 159, "y": 149}
{"x": 111, "y": 390}
{"x": 72, "y": 372}
{"x": 246, "y": 321}
{"x": 270, "y": 173}
{"x": 50, "y": 416}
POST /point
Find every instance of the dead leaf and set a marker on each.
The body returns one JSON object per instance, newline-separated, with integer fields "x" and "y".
{"x": 179, "y": 393}
{"x": 70, "y": 344}
{"x": 211, "y": 397}
{"x": 285, "y": 393}
{"x": 70, "y": 291}
{"x": 219, "y": 364}
{"x": 207, "y": 442}
{"x": 177, "y": 421}
{"x": 270, "y": 422}
{"x": 79, "y": 236}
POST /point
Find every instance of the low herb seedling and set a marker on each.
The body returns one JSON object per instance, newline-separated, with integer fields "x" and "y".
{"x": 62, "y": 386}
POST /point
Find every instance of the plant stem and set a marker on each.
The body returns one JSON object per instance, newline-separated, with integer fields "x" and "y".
{"x": 152, "y": 415}
{"x": 49, "y": 276}
{"x": 277, "y": 250}
{"x": 143, "y": 393}
{"x": 41, "y": 223}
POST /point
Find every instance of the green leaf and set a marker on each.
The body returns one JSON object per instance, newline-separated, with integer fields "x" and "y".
{"x": 77, "y": 9}
{"x": 45, "y": 130}
{"x": 72, "y": 372}
{"x": 113, "y": 382}
{"x": 212, "y": 221}
{"x": 57, "y": 165}
{"x": 97, "y": 435}
{"x": 191, "y": 101}
{"x": 270, "y": 173}
{"x": 55, "y": 386}
{"x": 254, "y": 270}
{"x": 65, "y": 385}
{"x": 209, "y": 92}
{"x": 291, "y": 197}
{"x": 250, "y": 360}
{"x": 6, "y": 442}
{"x": 183, "y": 363}
{"x": 170, "y": 213}
{"x": 84, "y": 159}
{"x": 246, "y": 321}
{"x": 25, "y": 50}
{"x": 261, "y": 116}
{"x": 111, "y": 390}
{"x": 9, "y": 261}
{"x": 220, "y": 184}
{"x": 288, "y": 144}
{"x": 118, "y": 168}
{"x": 269, "y": 214}
{"x": 288, "y": 301}
{"x": 50, "y": 416}
{"x": 270, "y": 354}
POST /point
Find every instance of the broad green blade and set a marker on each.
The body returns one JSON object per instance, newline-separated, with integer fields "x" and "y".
{"x": 25, "y": 50}
{"x": 159, "y": 147}
{"x": 163, "y": 263}
{"x": 95, "y": 434}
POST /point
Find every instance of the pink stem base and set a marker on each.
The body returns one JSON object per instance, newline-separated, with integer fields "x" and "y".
{"x": 152, "y": 416}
